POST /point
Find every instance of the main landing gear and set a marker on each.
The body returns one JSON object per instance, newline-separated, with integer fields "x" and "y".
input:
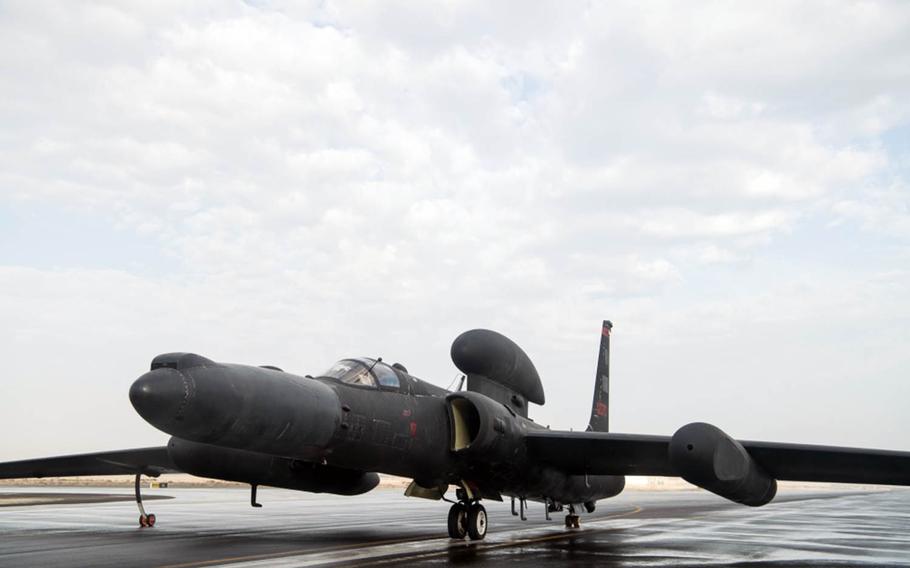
{"x": 572, "y": 519}
{"x": 145, "y": 520}
{"x": 467, "y": 519}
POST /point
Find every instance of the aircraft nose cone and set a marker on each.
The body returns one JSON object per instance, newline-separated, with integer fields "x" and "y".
{"x": 160, "y": 396}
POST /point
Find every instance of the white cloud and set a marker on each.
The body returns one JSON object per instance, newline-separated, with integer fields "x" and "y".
{"x": 322, "y": 179}
{"x": 885, "y": 211}
{"x": 676, "y": 223}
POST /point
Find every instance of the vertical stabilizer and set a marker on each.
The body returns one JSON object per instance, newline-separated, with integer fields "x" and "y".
{"x": 600, "y": 411}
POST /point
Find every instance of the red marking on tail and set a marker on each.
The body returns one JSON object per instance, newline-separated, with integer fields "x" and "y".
{"x": 413, "y": 429}
{"x": 600, "y": 409}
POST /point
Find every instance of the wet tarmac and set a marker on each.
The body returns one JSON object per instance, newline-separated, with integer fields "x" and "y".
{"x": 209, "y": 527}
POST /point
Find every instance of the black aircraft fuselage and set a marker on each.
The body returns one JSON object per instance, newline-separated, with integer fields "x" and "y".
{"x": 330, "y": 433}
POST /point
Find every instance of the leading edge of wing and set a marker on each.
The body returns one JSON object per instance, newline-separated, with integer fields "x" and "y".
{"x": 603, "y": 453}
{"x": 149, "y": 461}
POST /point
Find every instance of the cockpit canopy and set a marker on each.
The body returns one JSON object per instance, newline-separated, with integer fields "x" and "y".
{"x": 364, "y": 372}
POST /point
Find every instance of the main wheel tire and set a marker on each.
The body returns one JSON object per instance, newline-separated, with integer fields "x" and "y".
{"x": 143, "y": 521}
{"x": 477, "y": 522}
{"x": 458, "y": 526}
{"x": 151, "y": 519}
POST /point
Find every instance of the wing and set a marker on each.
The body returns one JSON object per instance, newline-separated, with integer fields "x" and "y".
{"x": 148, "y": 461}
{"x": 602, "y": 453}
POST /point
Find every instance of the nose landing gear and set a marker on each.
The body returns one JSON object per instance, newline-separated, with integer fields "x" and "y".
{"x": 145, "y": 520}
{"x": 467, "y": 519}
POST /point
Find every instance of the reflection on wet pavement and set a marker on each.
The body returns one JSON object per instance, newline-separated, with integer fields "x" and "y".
{"x": 870, "y": 529}
{"x": 206, "y": 527}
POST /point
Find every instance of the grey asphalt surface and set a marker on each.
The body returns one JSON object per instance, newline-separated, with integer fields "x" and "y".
{"x": 208, "y": 527}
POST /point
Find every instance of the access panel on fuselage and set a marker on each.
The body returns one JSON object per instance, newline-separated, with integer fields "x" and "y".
{"x": 377, "y": 428}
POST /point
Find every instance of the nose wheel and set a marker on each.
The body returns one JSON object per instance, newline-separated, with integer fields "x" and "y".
{"x": 467, "y": 519}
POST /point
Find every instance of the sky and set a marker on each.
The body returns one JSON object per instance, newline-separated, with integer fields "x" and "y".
{"x": 291, "y": 183}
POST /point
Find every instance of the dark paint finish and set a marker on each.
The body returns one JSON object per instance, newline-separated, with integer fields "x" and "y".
{"x": 488, "y": 354}
{"x": 705, "y": 456}
{"x": 204, "y": 460}
{"x": 260, "y": 425}
{"x": 641, "y": 454}
{"x": 148, "y": 461}
{"x": 600, "y": 407}
{"x": 237, "y": 406}
{"x": 391, "y": 432}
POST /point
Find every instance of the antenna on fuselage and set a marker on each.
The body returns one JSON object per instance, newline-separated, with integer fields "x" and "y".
{"x": 460, "y": 383}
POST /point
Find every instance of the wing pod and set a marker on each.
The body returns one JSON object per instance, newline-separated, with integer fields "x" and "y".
{"x": 705, "y": 456}
{"x": 254, "y": 468}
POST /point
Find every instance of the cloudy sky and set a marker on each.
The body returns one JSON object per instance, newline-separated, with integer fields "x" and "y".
{"x": 292, "y": 183}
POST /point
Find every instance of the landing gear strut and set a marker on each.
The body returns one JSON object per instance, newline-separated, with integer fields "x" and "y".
{"x": 467, "y": 519}
{"x": 145, "y": 520}
{"x": 572, "y": 519}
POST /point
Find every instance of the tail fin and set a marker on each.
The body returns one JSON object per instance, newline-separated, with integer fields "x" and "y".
{"x": 600, "y": 411}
